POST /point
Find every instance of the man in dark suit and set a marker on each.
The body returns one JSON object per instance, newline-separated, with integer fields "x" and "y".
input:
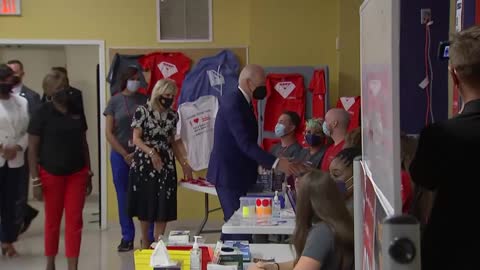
{"x": 236, "y": 155}
{"x": 33, "y": 98}
{"x": 447, "y": 162}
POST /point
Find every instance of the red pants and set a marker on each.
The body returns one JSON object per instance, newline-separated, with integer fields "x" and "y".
{"x": 59, "y": 193}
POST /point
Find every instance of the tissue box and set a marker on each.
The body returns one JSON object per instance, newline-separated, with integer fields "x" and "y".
{"x": 142, "y": 259}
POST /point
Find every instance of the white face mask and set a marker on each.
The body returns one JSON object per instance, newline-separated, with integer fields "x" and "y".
{"x": 133, "y": 85}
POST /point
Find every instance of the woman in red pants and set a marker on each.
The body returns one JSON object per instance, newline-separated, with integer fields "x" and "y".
{"x": 59, "y": 167}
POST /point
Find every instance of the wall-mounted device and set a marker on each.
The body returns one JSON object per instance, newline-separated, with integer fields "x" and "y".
{"x": 401, "y": 243}
{"x": 444, "y": 50}
{"x": 425, "y": 15}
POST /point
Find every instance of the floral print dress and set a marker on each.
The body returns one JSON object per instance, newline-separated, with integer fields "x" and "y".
{"x": 152, "y": 194}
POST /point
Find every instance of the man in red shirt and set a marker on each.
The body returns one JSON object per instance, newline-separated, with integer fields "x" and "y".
{"x": 335, "y": 126}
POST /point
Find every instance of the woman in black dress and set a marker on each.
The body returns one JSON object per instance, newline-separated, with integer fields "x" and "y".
{"x": 153, "y": 177}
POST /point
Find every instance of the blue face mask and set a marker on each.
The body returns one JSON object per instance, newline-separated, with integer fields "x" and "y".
{"x": 326, "y": 130}
{"x": 313, "y": 140}
{"x": 280, "y": 130}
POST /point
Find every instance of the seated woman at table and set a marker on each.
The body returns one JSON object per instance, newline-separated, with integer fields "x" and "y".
{"x": 317, "y": 143}
{"x": 341, "y": 170}
{"x": 323, "y": 237}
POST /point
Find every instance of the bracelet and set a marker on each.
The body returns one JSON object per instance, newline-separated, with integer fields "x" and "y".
{"x": 37, "y": 184}
{"x": 151, "y": 152}
{"x": 35, "y": 179}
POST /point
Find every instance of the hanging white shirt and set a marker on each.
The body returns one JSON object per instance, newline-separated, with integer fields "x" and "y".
{"x": 195, "y": 128}
{"x": 13, "y": 127}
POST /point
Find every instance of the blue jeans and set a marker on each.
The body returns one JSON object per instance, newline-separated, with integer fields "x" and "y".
{"x": 120, "y": 171}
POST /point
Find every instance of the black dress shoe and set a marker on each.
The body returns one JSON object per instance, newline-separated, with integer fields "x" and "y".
{"x": 125, "y": 246}
{"x": 32, "y": 213}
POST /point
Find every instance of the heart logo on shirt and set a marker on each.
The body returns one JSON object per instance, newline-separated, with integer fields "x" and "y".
{"x": 285, "y": 88}
{"x": 196, "y": 120}
{"x": 347, "y": 102}
{"x": 375, "y": 86}
{"x": 167, "y": 69}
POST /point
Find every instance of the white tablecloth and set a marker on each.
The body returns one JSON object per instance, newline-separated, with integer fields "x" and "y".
{"x": 198, "y": 188}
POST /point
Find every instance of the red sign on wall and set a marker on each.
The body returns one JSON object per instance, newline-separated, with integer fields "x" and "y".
{"x": 477, "y": 12}
{"x": 10, "y": 7}
{"x": 369, "y": 222}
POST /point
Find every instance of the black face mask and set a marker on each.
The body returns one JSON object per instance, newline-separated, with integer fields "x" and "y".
{"x": 166, "y": 102}
{"x": 5, "y": 88}
{"x": 61, "y": 97}
{"x": 260, "y": 92}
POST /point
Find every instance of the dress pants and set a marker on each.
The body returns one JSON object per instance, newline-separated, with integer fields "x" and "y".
{"x": 66, "y": 192}
{"x": 230, "y": 202}
{"x": 120, "y": 172}
{"x": 10, "y": 188}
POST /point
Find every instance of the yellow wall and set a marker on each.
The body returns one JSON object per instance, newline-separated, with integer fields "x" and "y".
{"x": 278, "y": 32}
{"x": 123, "y": 23}
{"x": 118, "y": 22}
{"x": 301, "y": 32}
{"x": 349, "y": 48}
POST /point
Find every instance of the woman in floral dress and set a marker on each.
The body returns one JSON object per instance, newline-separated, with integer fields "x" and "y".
{"x": 153, "y": 178}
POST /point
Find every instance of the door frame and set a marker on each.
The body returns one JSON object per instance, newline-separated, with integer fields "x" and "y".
{"x": 103, "y": 96}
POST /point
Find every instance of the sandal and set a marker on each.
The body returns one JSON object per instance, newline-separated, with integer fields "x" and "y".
{"x": 9, "y": 251}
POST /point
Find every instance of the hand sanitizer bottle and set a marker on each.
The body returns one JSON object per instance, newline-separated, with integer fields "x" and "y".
{"x": 276, "y": 206}
{"x": 196, "y": 256}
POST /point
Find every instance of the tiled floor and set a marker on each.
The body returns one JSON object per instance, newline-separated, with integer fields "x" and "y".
{"x": 98, "y": 248}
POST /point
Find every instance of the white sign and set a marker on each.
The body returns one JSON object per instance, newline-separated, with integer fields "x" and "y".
{"x": 380, "y": 50}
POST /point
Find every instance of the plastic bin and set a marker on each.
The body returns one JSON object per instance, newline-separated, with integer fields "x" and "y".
{"x": 177, "y": 253}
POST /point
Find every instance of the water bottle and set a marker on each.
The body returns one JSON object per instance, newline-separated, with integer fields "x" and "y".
{"x": 276, "y": 206}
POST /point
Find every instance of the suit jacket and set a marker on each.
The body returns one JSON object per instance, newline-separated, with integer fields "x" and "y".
{"x": 236, "y": 155}
{"x": 447, "y": 161}
{"x": 13, "y": 128}
{"x": 32, "y": 97}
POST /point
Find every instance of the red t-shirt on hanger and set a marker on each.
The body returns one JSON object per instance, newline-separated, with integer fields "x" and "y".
{"x": 163, "y": 65}
{"x": 352, "y": 105}
{"x": 318, "y": 87}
